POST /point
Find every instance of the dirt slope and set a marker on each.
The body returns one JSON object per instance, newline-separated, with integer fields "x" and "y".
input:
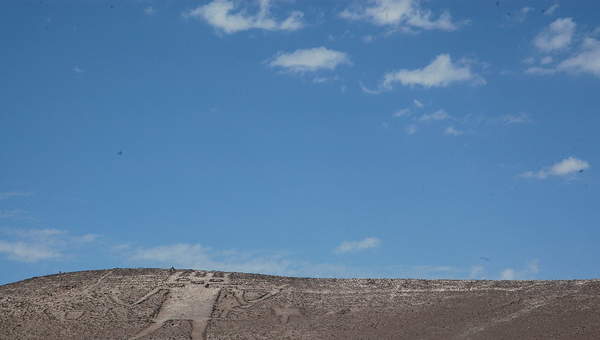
{"x": 191, "y": 304}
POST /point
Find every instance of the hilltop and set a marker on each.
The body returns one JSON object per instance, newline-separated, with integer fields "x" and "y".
{"x": 196, "y": 304}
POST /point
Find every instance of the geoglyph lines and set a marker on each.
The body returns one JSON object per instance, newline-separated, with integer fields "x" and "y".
{"x": 153, "y": 303}
{"x": 191, "y": 295}
{"x": 96, "y": 284}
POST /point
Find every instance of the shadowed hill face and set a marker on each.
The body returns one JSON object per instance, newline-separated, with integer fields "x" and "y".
{"x": 184, "y": 304}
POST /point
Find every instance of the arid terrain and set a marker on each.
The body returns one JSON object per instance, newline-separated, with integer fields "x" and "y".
{"x": 194, "y": 304}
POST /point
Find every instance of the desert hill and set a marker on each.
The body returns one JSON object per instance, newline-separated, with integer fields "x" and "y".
{"x": 195, "y": 304}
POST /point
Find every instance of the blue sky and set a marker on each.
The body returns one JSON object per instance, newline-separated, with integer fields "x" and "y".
{"x": 388, "y": 138}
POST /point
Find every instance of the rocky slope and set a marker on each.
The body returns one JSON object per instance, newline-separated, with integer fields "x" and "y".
{"x": 194, "y": 304}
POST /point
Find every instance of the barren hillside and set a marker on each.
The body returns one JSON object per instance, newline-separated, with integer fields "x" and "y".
{"x": 193, "y": 304}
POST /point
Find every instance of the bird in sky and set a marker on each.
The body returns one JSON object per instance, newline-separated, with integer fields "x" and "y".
{"x": 120, "y": 153}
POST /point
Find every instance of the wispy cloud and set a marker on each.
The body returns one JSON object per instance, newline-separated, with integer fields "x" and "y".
{"x": 565, "y": 167}
{"x": 27, "y": 252}
{"x": 13, "y": 194}
{"x": 427, "y": 119}
{"x": 149, "y": 10}
{"x": 354, "y": 246}
{"x": 418, "y": 103}
{"x": 528, "y": 61}
{"x": 78, "y": 69}
{"x": 435, "y": 116}
{"x": 227, "y": 17}
{"x": 557, "y": 36}
{"x": 405, "y": 15}
{"x": 198, "y": 256}
{"x": 451, "y": 131}
{"x": 368, "y": 90}
{"x": 540, "y": 71}
{"x": 477, "y": 273}
{"x": 521, "y": 15}
{"x": 310, "y": 60}
{"x": 186, "y": 255}
{"x": 17, "y": 214}
{"x": 520, "y": 118}
{"x": 33, "y": 245}
{"x": 402, "y": 112}
{"x": 586, "y": 59}
{"x": 550, "y": 10}
{"x": 441, "y": 72}
{"x": 10, "y": 213}
{"x": 526, "y": 273}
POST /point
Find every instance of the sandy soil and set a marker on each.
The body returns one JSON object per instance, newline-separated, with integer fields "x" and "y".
{"x": 193, "y": 304}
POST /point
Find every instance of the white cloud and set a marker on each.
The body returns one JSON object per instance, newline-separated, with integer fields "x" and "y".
{"x": 586, "y": 60}
{"x": 354, "y": 246}
{"x": 12, "y": 194}
{"x": 436, "y": 116}
{"x": 402, "y": 112}
{"x": 550, "y": 10}
{"x": 520, "y": 118}
{"x": 400, "y": 14}
{"x": 540, "y": 71}
{"x": 321, "y": 80}
{"x": 557, "y": 36}
{"x": 33, "y": 245}
{"x": 27, "y": 252}
{"x": 527, "y": 273}
{"x": 567, "y": 166}
{"x": 78, "y": 69}
{"x": 411, "y": 129}
{"x": 310, "y": 60}
{"x": 149, "y": 10}
{"x": 222, "y": 15}
{"x": 440, "y": 73}
{"x": 418, "y": 103}
{"x": 451, "y": 131}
